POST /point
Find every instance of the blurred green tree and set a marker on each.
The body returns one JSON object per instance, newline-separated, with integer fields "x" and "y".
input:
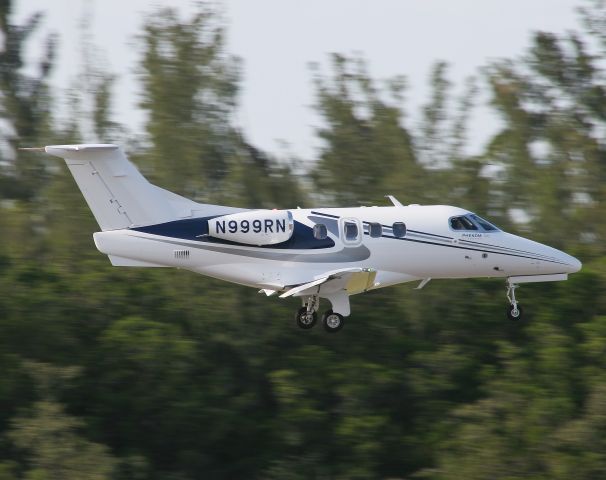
{"x": 25, "y": 105}
{"x": 367, "y": 152}
{"x": 552, "y": 177}
{"x": 190, "y": 86}
{"x": 190, "y": 93}
{"x": 186, "y": 377}
{"x": 50, "y": 438}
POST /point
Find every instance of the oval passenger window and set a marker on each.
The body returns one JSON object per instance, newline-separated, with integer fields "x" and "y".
{"x": 351, "y": 231}
{"x": 375, "y": 230}
{"x": 399, "y": 229}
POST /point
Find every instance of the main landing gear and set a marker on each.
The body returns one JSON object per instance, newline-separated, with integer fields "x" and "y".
{"x": 307, "y": 317}
{"x": 333, "y": 322}
{"x": 514, "y": 311}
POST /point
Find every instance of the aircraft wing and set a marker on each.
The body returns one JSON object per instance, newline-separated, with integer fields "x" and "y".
{"x": 352, "y": 280}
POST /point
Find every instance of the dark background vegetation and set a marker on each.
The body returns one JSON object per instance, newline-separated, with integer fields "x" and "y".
{"x": 163, "y": 374}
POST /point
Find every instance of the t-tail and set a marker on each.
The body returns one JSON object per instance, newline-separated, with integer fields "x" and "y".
{"x": 120, "y": 197}
{"x": 116, "y": 192}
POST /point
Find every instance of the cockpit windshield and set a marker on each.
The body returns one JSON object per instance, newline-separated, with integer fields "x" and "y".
{"x": 462, "y": 223}
{"x": 472, "y": 222}
{"x": 486, "y": 225}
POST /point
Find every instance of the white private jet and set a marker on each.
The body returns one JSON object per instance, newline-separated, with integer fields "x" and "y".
{"x": 329, "y": 253}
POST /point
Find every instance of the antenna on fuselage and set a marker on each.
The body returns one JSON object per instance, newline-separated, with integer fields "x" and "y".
{"x": 394, "y": 200}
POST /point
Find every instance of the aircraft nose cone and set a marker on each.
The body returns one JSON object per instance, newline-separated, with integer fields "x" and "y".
{"x": 564, "y": 263}
{"x": 572, "y": 264}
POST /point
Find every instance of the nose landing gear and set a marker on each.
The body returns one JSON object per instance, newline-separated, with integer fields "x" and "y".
{"x": 514, "y": 311}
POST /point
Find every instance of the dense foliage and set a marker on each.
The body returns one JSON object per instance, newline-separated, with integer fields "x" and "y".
{"x": 147, "y": 374}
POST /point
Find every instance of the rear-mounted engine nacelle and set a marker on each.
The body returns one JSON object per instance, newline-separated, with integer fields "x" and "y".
{"x": 259, "y": 227}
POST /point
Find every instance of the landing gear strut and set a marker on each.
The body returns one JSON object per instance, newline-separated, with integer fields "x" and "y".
{"x": 306, "y": 316}
{"x": 514, "y": 311}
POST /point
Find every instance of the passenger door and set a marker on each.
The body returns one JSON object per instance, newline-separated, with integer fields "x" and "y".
{"x": 351, "y": 231}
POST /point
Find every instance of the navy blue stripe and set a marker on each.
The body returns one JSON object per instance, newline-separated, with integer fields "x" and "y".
{"x": 325, "y": 214}
{"x": 411, "y": 231}
{"x": 302, "y": 239}
{"x": 196, "y": 229}
{"x": 473, "y": 249}
{"x": 430, "y": 234}
{"x": 505, "y": 248}
{"x": 386, "y": 226}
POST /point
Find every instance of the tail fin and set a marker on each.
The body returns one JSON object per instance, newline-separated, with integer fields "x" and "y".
{"x": 117, "y": 194}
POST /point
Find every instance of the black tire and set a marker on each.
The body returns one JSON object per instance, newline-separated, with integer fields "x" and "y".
{"x": 515, "y": 316}
{"x": 333, "y": 322}
{"x": 305, "y": 320}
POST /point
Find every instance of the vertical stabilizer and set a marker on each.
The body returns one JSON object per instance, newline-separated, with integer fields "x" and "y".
{"x": 117, "y": 194}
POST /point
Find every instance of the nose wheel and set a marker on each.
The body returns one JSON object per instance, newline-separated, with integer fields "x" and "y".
{"x": 514, "y": 311}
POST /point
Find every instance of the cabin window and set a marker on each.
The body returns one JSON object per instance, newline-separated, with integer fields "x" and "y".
{"x": 320, "y": 232}
{"x": 375, "y": 230}
{"x": 462, "y": 223}
{"x": 399, "y": 229}
{"x": 350, "y": 229}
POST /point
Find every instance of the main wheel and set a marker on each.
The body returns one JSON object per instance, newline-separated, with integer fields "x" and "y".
{"x": 333, "y": 322}
{"x": 305, "y": 319}
{"x": 514, "y": 314}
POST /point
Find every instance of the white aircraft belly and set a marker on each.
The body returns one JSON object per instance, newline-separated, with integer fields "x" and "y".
{"x": 238, "y": 268}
